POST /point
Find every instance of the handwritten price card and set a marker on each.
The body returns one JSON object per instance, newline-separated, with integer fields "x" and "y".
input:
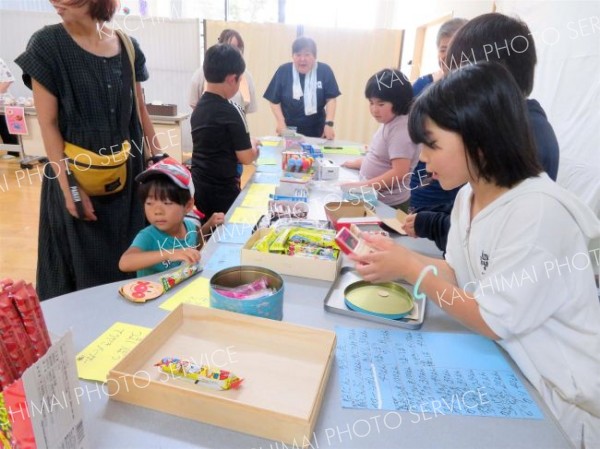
{"x": 198, "y": 293}
{"x": 429, "y": 373}
{"x": 98, "y": 358}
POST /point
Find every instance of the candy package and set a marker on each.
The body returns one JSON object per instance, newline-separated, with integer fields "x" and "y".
{"x": 201, "y": 374}
{"x": 28, "y": 306}
{"x": 172, "y": 278}
{"x": 14, "y": 336}
{"x": 253, "y": 290}
{"x": 312, "y": 251}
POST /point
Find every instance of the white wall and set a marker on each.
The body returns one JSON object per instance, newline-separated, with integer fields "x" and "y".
{"x": 567, "y": 78}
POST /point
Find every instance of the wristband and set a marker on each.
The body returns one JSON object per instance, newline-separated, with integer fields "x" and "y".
{"x": 422, "y": 275}
{"x": 75, "y": 195}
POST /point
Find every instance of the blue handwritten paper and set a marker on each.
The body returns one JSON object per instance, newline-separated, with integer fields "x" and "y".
{"x": 237, "y": 233}
{"x": 429, "y": 373}
{"x": 270, "y": 151}
{"x": 224, "y": 257}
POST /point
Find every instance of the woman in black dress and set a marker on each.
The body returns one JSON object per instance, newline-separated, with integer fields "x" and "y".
{"x": 76, "y": 70}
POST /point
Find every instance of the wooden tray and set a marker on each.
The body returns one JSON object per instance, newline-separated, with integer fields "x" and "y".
{"x": 285, "y": 369}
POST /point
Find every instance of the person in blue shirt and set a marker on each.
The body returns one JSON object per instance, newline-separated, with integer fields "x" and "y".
{"x": 427, "y": 192}
{"x": 303, "y": 93}
{"x": 172, "y": 237}
{"x": 505, "y": 40}
{"x": 442, "y": 41}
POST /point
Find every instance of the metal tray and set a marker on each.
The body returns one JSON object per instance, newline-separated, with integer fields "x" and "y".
{"x": 334, "y": 302}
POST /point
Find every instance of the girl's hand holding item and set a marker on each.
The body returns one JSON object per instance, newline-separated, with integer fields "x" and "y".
{"x": 216, "y": 219}
{"x": 388, "y": 262}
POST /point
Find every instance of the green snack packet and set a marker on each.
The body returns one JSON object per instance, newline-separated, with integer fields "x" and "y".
{"x": 279, "y": 244}
{"x": 264, "y": 242}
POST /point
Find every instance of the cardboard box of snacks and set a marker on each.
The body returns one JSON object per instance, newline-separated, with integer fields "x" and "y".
{"x": 306, "y": 267}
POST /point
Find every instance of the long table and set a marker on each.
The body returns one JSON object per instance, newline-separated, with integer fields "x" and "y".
{"x": 112, "y": 425}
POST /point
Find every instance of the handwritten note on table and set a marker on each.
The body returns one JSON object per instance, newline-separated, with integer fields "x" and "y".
{"x": 237, "y": 233}
{"x": 256, "y": 201}
{"x": 197, "y": 293}
{"x": 273, "y": 142}
{"x": 224, "y": 257}
{"x": 99, "y": 357}
{"x": 426, "y": 372}
{"x": 263, "y": 189}
{"x": 348, "y": 150}
{"x": 245, "y": 215}
{"x": 266, "y": 178}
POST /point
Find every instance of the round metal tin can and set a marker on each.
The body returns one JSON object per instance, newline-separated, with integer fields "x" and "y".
{"x": 270, "y": 306}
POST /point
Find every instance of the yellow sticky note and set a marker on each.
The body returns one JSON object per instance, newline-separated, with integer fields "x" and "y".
{"x": 266, "y": 161}
{"x": 350, "y": 150}
{"x": 256, "y": 201}
{"x": 245, "y": 215}
{"x": 270, "y": 143}
{"x": 196, "y": 293}
{"x": 100, "y": 356}
{"x": 263, "y": 189}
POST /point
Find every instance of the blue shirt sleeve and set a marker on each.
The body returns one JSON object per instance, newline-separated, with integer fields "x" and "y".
{"x": 144, "y": 240}
{"x": 544, "y": 138}
{"x": 421, "y": 84}
{"x": 330, "y": 85}
{"x": 278, "y": 84}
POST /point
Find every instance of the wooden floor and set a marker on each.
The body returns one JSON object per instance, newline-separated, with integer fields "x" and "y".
{"x": 19, "y": 218}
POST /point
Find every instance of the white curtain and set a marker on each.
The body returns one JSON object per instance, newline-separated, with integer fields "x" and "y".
{"x": 567, "y": 78}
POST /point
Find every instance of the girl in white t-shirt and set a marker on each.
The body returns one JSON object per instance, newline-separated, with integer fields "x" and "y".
{"x": 517, "y": 268}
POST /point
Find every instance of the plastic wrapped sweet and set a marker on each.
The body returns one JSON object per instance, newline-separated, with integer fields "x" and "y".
{"x": 312, "y": 251}
{"x": 279, "y": 244}
{"x": 201, "y": 374}
{"x": 7, "y": 371}
{"x": 14, "y": 336}
{"x": 8, "y": 100}
{"x": 171, "y": 279}
{"x": 265, "y": 242}
{"x": 319, "y": 237}
{"x": 28, "y": 306}
{"x": 300, "y": 223}
{"x": 256, "y": 289}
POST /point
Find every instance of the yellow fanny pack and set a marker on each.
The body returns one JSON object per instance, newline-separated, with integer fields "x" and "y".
{"x": 98, "y": 174}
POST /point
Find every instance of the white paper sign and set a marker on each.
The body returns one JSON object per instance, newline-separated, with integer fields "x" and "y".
{"x": 50, "y": 388}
